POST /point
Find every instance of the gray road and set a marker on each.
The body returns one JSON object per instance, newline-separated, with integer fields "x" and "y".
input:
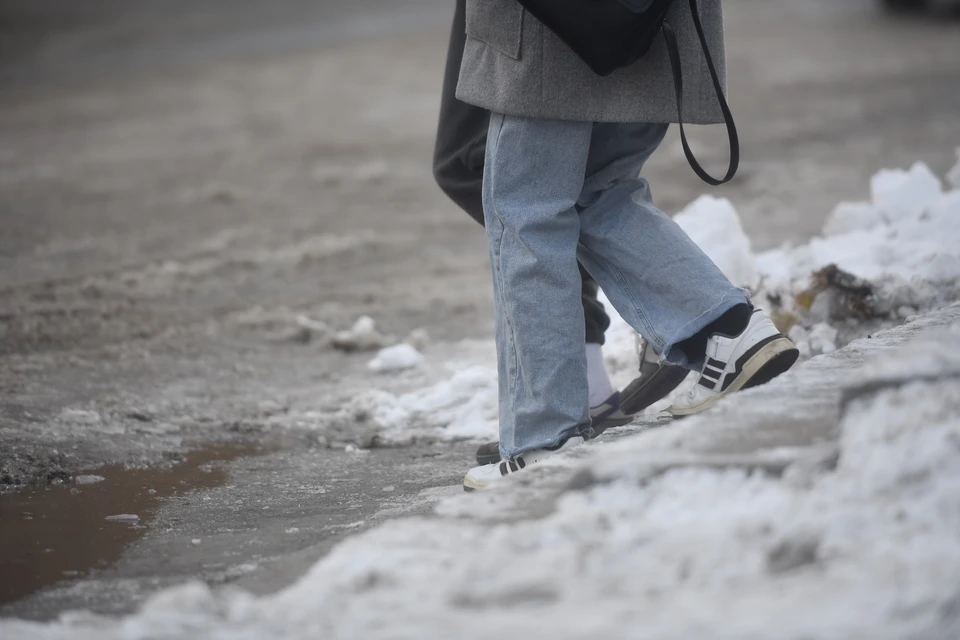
{"x": 164, "y": 166}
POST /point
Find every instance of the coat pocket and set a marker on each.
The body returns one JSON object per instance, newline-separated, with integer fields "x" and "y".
{"x": 499, "y": 23}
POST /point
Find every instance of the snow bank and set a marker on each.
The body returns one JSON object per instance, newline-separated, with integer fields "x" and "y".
{"x": 867, "y": 549}
{"x": 906, "y": 236}
{"x": 464, "y": 405}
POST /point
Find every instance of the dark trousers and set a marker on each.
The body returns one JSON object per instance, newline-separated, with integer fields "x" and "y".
{"x": 458, "y": 162}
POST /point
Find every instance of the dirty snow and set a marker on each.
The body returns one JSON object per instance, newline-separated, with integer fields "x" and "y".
{"x": 866, "y": 547}
{"x": 904, "y": 240}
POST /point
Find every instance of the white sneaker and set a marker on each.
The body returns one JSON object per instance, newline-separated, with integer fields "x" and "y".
{"x": 756, "y": 356}
{"x": 481, "y": 477}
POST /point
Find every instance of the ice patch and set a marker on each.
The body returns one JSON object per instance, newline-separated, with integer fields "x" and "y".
{"x": 80, "y": 417}
{"x": 129, "y": 518}
{"x": 88, "y": 479}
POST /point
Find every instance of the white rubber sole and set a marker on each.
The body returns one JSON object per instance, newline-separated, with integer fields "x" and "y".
{"x": 774, "y": 358}
{"x": 469, "y": 484}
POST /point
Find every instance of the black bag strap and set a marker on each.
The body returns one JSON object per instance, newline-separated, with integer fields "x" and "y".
{"x": 674, "y": 51}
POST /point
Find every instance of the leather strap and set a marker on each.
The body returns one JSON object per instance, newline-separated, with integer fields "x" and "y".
{"x": 674, "y": 50}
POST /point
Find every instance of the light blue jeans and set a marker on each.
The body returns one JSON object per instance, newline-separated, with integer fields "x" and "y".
{"x": 555, "y": 191}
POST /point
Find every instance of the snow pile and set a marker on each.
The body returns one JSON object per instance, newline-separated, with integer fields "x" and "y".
{"x": 821, "y": 338}
{"x": 396, "y": 358}
{"x": 868, "y": 549}
{"x": 906, "y": 236}
{"x": 463, "y": 405}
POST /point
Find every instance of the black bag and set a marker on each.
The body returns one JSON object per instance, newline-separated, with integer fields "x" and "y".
{"x": 610, "y": 34}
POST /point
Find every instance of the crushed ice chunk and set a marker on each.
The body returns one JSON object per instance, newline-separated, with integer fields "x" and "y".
{"x": 124, "y": 517}
{"x": 88, "y": 479}
{"x": 362, "y": 336}
{"x": 317, "y": 327}
{"x": 801, "y": 338}
{"x": 823, "y": 338}
{"x": 396, "y": 358}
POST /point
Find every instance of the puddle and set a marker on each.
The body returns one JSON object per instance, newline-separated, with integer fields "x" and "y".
{"x": 66, "y": 532}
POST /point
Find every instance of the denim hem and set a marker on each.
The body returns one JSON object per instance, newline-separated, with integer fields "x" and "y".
{"x": 566, "y": 434}
{"x": 730, "y": 299}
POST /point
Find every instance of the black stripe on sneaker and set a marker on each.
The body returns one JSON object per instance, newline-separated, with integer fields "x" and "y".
{"x": 716, "y": 364}
{"x": 521, "y": 463}
{"x": 513, "y": 466}
{"x": 706, "y": 382}
{"x": 710, "y": 375}
{"x": 503, "y": 469}
{"x": 742, "y": 360}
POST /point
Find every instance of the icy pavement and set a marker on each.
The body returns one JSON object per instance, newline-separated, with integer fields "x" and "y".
{"x": 823, "y": 505}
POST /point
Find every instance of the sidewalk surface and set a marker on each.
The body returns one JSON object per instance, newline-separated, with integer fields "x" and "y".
{"x": 823, "y": 505}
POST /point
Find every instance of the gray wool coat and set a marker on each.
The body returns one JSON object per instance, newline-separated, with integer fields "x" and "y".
{"x": 513, "y": 65}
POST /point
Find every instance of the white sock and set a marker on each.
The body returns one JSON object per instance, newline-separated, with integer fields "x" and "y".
{"x": 598, "y": 382}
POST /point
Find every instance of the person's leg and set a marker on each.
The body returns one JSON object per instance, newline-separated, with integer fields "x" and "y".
{"x": 458, "y": 159}
{"x": 654, "y": 274}
{"x": 534, "y": 175}
{"x": 594, "y": 315}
